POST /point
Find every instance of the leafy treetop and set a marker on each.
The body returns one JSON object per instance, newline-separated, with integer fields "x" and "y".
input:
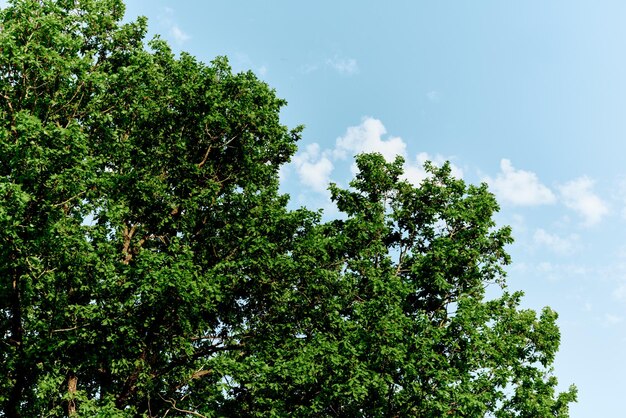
{"x": 150, "y": 267}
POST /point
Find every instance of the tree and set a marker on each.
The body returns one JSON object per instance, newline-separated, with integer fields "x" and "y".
{"x": 393, "y": 319}
{"x": 150, "y": 266}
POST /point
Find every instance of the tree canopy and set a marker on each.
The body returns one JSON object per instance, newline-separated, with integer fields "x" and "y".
{"x": 150, "y": 266}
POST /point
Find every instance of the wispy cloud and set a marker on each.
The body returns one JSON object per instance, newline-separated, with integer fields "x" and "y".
{"x": 343, "y": 65}
{"x": 519, "y": 187}
{"x": 556, "y": 272}
{"x": 434, "y": 96}
{"x": 178, "y": 34}
{"x": 612, "y": 320}
{"x": 555, "y": 243}
{"x": 620, "y": 292}
{"x": 241, "y": 61}
{"x": 174, "y": 30}
{"x": 309, "y": 68}
{"x": 579, "y": 196}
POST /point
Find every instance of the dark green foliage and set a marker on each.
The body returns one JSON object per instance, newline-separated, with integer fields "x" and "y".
{"x": 149, "y": 266}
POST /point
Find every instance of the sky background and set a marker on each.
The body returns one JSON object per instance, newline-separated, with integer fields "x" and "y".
{"x": 527, "y": 96}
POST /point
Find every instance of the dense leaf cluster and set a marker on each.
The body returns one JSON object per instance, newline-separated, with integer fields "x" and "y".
{"x": 149, "y": 266}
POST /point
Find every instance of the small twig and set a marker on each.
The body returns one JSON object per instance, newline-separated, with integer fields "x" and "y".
{"x": 69, "y": 329}
{"x": 198, "y": 374}
{"x": 173, "y": 403}
{"x": 70, "y": 199}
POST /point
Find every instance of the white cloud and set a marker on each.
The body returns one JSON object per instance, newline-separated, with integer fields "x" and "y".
{"x": 414, "y": 170}
{"x": 283, "y": 173}
{"x": 415, "y": 173}
{"x": 579, "y": 196}
{"x": 314, "y": 168}
{"x": 519, "y": 187}
{"x": 344, "y": 66}
{"x": 368, "y": 137}
{"x": 555, "y": 243}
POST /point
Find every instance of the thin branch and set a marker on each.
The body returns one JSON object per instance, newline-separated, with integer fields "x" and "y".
{"x": 206, "y": 157}
{"x": 400, "y": 260}
{"x": 198, "y": 374}
{"x": 227, "y": 143}
{"x": 8, "y": 99}
{"x": 69, "y": 329}
{"x": 173, "y": 403}
{"x": 206, "y": 337}
{"x": 70, "y": 199}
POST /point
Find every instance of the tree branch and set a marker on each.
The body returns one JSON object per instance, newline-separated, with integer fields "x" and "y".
{"x": 128, "y": 235}
{"x": 185, "y": 411}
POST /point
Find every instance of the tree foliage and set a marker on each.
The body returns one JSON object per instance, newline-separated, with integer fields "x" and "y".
{"x": 150, "y": 266}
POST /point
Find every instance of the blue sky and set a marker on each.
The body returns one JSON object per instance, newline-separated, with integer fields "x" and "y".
{"x": 528, "y": 96}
